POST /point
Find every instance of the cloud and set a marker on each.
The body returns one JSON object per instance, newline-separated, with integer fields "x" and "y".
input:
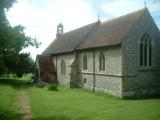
{"x": 41, "y": 17}
{"x": 117, "y": 8}
{"x": 41, "y": 22}
{"x": 121, "y": 7}
{"x": 96, "y": 6}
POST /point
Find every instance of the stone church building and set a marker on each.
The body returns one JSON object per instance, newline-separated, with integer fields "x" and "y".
{"x": 120, "y": 56}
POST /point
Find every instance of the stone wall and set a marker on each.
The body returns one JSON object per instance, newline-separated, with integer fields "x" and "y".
{"x": 107, "y": 81}
{"x": 141, "y": 80}
{"x": 64, "y": 79}
{"x": 109, "y": 84}
{"x": 123, "y": 75}
{"x": 144, "y": 84}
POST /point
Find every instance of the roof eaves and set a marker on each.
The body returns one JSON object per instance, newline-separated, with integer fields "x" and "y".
{"x": 111, "y": 45}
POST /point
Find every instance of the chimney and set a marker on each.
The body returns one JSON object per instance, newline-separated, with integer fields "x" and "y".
{"x": 59, "y": 30}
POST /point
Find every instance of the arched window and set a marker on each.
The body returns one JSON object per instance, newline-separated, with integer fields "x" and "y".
{"x": 85, "y": 62}
{"x": 145, "y": 50}
{"x": 150, "y": 52}
{"x": 63, "y": 67}
{"x": 141, "y": 51}
{"x": 101, "y": 62}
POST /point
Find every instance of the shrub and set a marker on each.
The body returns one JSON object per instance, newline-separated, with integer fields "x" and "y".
{"x": 41, "y": 84}
{"x": 53, "y": 86}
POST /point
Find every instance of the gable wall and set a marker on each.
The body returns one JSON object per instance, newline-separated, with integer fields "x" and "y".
{"x": 63, "y": 79}
{"x": 138, "y": 80}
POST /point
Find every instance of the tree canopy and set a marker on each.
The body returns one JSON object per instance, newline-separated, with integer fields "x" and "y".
{"x": 12, "y": 41}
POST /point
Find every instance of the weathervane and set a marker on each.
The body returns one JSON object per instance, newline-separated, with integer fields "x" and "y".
{"x": 145, "y": 4}
{"x": 98, "y": 17}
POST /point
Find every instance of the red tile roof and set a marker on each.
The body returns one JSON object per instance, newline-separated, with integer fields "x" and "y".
{"x": 94, "y": 35}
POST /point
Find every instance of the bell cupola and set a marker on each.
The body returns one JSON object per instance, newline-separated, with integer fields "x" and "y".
{"x": 59, "y": 30}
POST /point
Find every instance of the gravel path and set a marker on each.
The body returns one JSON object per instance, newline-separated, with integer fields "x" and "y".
{"x": 25, "y": 106}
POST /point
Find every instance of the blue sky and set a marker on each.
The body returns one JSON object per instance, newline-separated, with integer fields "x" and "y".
{"x": 40, "y": 17}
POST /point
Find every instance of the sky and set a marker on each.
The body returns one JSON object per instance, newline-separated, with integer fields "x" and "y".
{"x": 41, "y": 17}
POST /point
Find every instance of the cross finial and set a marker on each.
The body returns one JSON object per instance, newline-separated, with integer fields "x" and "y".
{"x": 145, "y": 4}
{"x": 98, "y": 17}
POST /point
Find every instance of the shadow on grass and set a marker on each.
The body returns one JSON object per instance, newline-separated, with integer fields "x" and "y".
{"x": 60, "y": 117}
{"x": 147, "y": 97}
{"x": 109, "y": 96}
{"x": 52, "y": 118}
{"x": 16, "y": 83}
{"x": 9, "y": 115}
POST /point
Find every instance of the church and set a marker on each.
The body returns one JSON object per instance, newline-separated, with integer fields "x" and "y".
{"x": 120, "y": 56}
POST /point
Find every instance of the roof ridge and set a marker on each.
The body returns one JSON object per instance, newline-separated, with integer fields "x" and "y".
{"x": 144, "y": 9}
{"x": 118, "y": 17}
{"x": 87, "y": 34}
{"x": 96, "y": 34}
{"x": 66, "y": 34}
{"x": 78, "y": 28}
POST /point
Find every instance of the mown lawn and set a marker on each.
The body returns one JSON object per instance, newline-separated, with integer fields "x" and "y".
{"x": 77, "y": 104}
{"x": 9, "y": 99}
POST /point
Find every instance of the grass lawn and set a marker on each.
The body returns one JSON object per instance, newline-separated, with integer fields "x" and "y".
{"x": 76, "y": 104}
{"x": 9, "y": 99}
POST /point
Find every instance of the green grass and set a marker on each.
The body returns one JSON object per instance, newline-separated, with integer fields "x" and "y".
{"x": 9, "y": 99}
{"x": 77, "y": 104}
{"x": 73, "y": 104}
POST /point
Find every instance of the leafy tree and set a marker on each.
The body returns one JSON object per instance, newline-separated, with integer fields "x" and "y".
{"x": 23, "y": 65}
{"x": 12, "y": 41}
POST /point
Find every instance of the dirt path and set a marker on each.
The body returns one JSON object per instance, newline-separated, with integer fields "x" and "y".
{"x": 25, "y": 107}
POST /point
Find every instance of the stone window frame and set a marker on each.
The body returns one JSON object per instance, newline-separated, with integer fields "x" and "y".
{"x": 84, "y": 80}
{"x": 84, "y": 62}
{"x": 101, "y": 61}
{"x": 63, "y": 67}
{"x": 145, "y": 50}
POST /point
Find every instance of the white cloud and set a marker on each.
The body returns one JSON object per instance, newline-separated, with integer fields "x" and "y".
{"x": 41, "y": 23}
{"x": 154, "y": 7}
{"x": 41, "y": 20}
{"x": 121, "y": 7}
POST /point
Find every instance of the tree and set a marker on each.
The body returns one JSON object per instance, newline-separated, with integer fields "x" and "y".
{"x": 24, "y": 65}
{"x": 12, "y": 41}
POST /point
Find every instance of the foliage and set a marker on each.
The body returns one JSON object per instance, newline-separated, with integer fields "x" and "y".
{"x": 6, "y": 3}
{"x": 23, "y": 64}
{"x": 53, "y": 86}
{"x": 13, "y": 40}
{"x": 41, "y": 84}
{"x": 3, "y": 68}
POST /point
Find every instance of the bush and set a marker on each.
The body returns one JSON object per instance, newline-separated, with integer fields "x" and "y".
{"x": 41, "y": 84}
{"x": 53, "y": 86}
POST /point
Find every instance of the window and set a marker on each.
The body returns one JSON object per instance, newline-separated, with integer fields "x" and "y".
{"x": 63, "y": 67}
{"x": 101, "y": 62}
{"x": 145, "y": 50}
{"x": 84, "y": 62}
{"x": 84, "y": 80}
{"x": 150, "y": 52}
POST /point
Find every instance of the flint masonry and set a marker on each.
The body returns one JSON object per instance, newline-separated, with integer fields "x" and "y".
{"x": 119, "y": 56}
